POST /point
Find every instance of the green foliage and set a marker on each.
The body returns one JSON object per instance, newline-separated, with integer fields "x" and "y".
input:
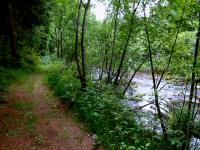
{"x": 30, "y": 60}
{"x": 176, "y": 138}
{"x": 64, "y": 83}
{"x": 9, "y": 76}
{"x": 20, "y": 105}
{"x": 107, "y": 117}
{"x": 28, "y": 20}
{"x": 181, "y": 65}
{"x": 102, "y": 111}
{"x": 40, "y": 39}
{"x": 177, "y": 127}
{"x": 43, "y": 27}
{"x": 177, "y": 119}
{"x": 31, "y": 120}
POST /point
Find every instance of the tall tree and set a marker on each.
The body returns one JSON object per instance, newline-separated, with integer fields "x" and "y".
{"x": 156, "y": 98}
{"x": 129, "y": 33}
{"x": 83, "y": 47}
{"x": 192, "y": 86}
{"x": 77, "y": 39}
{"x": 114, "y": 40}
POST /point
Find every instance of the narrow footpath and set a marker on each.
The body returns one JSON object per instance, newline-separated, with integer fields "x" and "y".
{"x": 32, "y": 118}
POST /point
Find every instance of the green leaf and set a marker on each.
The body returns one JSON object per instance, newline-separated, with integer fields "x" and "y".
{"x": 148, "y": 144}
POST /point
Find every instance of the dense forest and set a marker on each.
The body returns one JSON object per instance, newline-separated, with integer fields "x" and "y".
{"x": 132, "y": 78}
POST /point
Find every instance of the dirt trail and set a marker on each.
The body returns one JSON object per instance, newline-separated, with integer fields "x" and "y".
{"x": 33, "y": 119}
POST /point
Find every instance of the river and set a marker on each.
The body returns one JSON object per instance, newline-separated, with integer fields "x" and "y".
{"x": 140, "y": 96}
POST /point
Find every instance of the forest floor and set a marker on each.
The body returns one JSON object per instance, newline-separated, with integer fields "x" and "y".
{"x": 32, "y": 118}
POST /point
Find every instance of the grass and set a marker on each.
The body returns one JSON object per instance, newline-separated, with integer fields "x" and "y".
{"x": 30, "y": 120}
{"x": 25, "y": 84}
{"x": 64, "y": 135}
{"x": 9, "y": 76}
{"x": 20, "y": 105}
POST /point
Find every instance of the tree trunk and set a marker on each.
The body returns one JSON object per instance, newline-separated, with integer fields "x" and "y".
{"x": 113, "y": 42}
{"x": 192, "y": 87}
{"x": 57, "y": 42}
{"x": 194, "y": 69}
{"x": 126, "y": 45}
{"x": 122, "y": 75}
{"x": 171, "y": 52}
{"x": 58, "y": 48}
{"x": 156, "y": 98}
{"x": 83, "y": 49}
{"x": 61, "y": 44}
{"x": 12, "y": 35}
{"x": 129, "y": 82}
{"x": 77, "y": 39}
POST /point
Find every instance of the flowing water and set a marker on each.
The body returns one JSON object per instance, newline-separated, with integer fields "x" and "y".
{"x": 140, "y": 96}
{"x": 142, "y": 89}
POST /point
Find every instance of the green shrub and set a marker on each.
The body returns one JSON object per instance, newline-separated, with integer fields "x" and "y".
{"x": 107, "y": 117}
{"x": 20, "y": 105}
{"x": 9, "y": 76}
{"x": 101, "y": 110}
{"x": 64, "y": 83}
{"x": 29, "y": 60}
{"x": 10, "y": 72}
{"x": 177, "y": 127}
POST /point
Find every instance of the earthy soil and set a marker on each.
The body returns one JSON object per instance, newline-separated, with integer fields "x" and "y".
{"x": 33, "y": 119}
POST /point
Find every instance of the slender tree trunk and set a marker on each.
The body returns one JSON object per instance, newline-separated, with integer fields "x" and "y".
{"x": 171, "y": 52}
{"x": 57, "y": 42}
{"x": 195, "y": 102}
{"x": 61, "y": 44}
{"x": 104, "y": 63}
{"x": 77, "y": 39}
{"x": 129, "y": 82}
{"x": 194, "y": 69}
{"x": 114, "y": 39}
{"x": 126, "y": 45}
{"x": 83, "y": 48}
{"x": 102, "y": 71}
{"x": 192, "y": 87}
{"x": 101, "y": 63}
{"x": 122, "y": 75}
{"x": 106, "y": 59}
{"x": 156, "y": 98}
{"x": 182, "y": 108}
{"x": 54, "y": 40}
{"x": 58, "y": 48}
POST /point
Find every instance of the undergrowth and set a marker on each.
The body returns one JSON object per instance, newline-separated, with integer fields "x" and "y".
{"x": 103, "y": 112}
{"x": 9, "y": 76}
